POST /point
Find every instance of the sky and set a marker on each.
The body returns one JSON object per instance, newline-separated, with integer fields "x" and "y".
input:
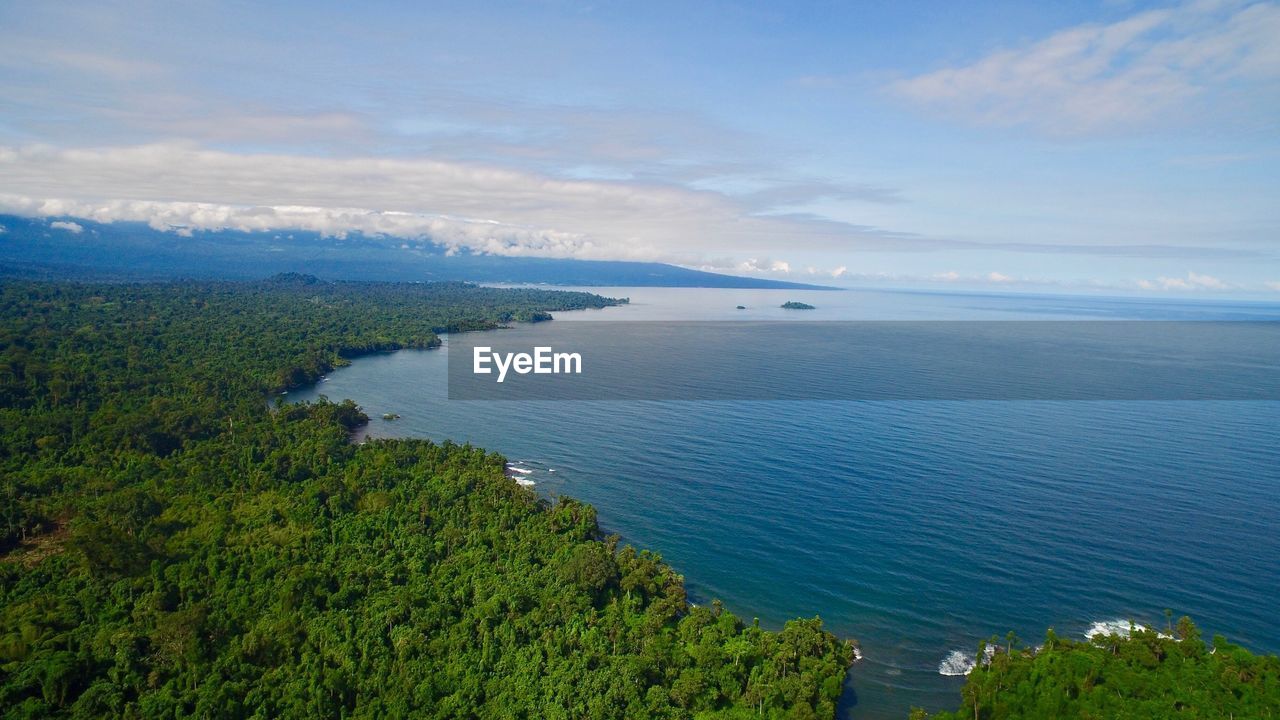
{"x": 1108, "y": 147}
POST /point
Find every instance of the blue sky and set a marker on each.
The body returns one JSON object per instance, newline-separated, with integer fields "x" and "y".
{"x": 1093, "y": 147}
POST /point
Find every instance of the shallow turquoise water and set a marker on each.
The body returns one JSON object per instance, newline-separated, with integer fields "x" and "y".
{"x": 919, "y": 527}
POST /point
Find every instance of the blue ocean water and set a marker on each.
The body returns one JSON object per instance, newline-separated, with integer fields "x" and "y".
{"x": 918, "y": 527}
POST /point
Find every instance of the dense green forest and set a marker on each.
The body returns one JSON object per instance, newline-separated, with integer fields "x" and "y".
{"x": 1142, "y": 674}
{"x": 175, "y": 545}
{"x": 177, "y": 541}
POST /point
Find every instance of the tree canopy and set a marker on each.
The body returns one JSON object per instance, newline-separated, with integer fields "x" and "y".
{"x": 175, "y": 545}
{"x": 1141, "y": 674}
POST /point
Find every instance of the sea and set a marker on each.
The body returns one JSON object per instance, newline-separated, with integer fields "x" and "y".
{"x": 919, "y": 527}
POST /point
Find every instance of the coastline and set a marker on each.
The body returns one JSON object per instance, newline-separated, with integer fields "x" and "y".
{"x": 655, "y": 490}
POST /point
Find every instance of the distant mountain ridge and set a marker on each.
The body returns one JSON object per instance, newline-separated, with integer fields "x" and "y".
{"x": 34, "y": 248}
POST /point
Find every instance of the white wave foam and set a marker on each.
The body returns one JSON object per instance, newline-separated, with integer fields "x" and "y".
{"x": 857, "y": 654}
{"x": 1107, "y": 628}
{"x": 522, "y": 471}
{"x": 960, "y": 662}
{"x": 957, "y": 662}
{"x": 525, "y": 483}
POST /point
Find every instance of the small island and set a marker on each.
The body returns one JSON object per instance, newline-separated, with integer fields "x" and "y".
{"x": 793, "y": 305}
{"x": 742, "y": 307}
{"x": 390, "y": 416}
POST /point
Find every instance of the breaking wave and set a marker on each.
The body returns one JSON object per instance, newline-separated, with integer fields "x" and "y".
{"x": 960, "y": 662}
{"x": 957, "y": 662}
{"x": 1107, "y": 628}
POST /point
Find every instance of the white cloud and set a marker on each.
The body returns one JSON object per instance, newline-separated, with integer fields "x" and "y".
{"x": 768, "y": 267}
{"x": 1122, "y": 75}
{"x": 755, "y": 265}
{"x": 1273, "y": 285}
{"x": 1206, "y": 281}
{"x": 991, "y": 278}
{"x": 507, "y": 211}
{"x": 184, "y": 189}
{"x": 185, "y": 218}
{"x": 68, "y": 226}
{"x": 1193, "y": 281}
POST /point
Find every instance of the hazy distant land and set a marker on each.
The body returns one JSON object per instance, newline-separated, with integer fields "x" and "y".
{"x": 32, "y": 248}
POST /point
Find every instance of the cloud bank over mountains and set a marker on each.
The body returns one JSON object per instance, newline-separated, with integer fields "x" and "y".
{"x": 493, "y": 210}
{"x": 1099, "y": 146}
{"x": 186, "y": 218}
